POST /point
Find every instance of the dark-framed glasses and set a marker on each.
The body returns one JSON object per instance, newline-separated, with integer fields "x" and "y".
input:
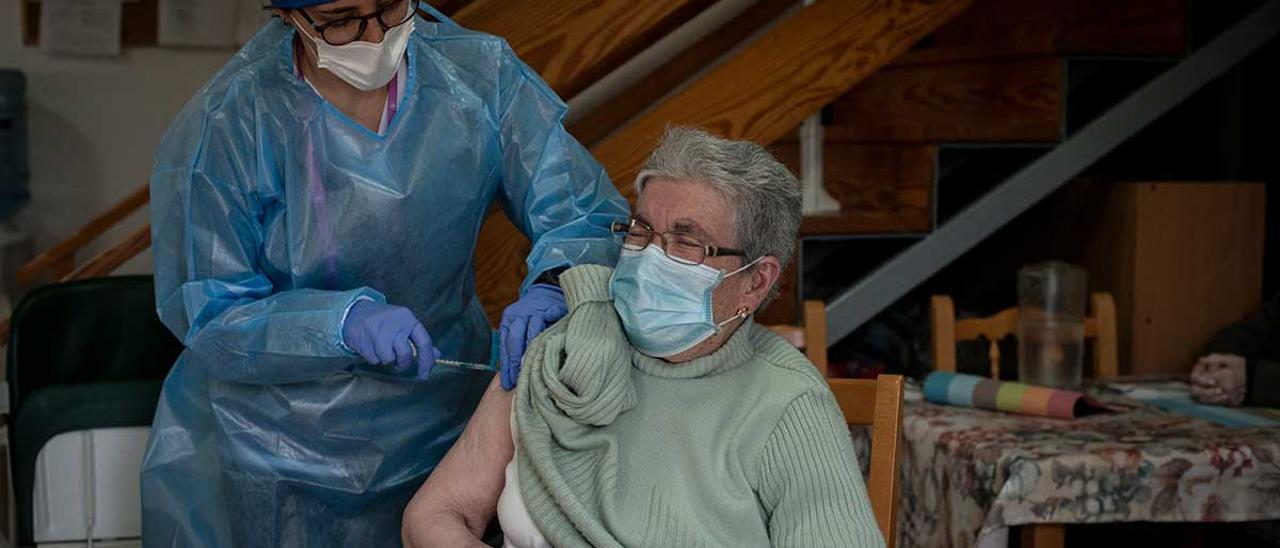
{"x": 346, "y": 30}
{"x": 680, "y": 247}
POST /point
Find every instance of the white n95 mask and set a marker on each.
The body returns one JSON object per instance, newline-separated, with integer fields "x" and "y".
{"x": 365, "y": 65}
{"x": 665, "y": 306}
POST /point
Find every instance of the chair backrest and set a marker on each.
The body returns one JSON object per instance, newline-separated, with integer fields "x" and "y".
{"x": 811, "y": 336}
{"x": 877, "y": 403}
{"x": 947, "y": 331}
{"x": 102, "y": 329}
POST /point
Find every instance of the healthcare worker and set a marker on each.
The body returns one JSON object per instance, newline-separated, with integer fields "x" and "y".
{"x": 315, "y": 209}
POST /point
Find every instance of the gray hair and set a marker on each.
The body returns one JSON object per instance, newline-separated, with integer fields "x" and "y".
{"x": 763, "y": 195}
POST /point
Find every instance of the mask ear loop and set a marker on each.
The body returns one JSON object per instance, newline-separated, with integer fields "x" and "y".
{"x": 745, "y": 266}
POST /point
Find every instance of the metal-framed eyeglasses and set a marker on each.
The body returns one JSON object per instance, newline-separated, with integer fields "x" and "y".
{"x": 346, "y": 30}
{"x": 680, "y": 247}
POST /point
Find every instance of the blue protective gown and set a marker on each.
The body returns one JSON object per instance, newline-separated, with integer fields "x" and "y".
{"x": 272, "y": 213}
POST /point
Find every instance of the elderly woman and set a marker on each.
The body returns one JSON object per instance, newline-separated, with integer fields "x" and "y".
{"x": 657, "y": 413}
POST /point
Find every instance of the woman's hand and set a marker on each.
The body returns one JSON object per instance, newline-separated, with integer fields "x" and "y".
{"x": 523, "y": 321}
{"x": 389, "y": 335}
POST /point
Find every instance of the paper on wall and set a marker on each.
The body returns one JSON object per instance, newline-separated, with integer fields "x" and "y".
{"x": 80, "y": 27}
{"x": 203, "y": 23}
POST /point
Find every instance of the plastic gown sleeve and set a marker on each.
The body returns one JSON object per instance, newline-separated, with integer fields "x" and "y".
{"x": 210, "y": 293}
{"x": 552, "y": 189}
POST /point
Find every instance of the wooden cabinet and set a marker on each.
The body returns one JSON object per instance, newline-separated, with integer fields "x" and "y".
{"x": 1182, "y": 259}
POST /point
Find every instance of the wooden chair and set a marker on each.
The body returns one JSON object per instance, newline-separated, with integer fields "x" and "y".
{"x": 877, "y": 403}
{"x": 1100, "y": 326}
{"x": 811, "y": 336}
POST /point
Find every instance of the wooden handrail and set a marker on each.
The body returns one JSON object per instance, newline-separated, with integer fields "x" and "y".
{"x": 108, "y": 261}
{"x": 59, "y": 259}
{"x": 100, "y": 265}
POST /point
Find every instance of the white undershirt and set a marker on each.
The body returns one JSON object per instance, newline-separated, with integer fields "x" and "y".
{"x": 518, "y": 529}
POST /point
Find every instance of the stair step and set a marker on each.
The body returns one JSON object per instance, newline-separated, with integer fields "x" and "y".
{"x": 767, "y": 88}
{"x": 831, "y": 266}
{"x": 1001, "y": 100}
{"x": 573, "y": 44}
{"x": 881, "y": 188}
{"x": 886, "y": 188}
{"x": 828, "y": 265}
{"x": 1141, "y": 27}
{"x": 1219, "y": 132}
{"x": 966, "y": 172}
{"x": 1195, "y": 141}
{"x": 448, "y": 7}
{"x": 1096, "y": 84}
{"x": 599, "y": 122}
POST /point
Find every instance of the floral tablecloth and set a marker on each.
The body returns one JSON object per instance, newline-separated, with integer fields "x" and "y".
{"x": 968, "y": 473}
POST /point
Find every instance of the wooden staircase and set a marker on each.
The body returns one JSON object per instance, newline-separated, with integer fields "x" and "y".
{"x": 993, "y": 81}
{"x": 904, "y": 79}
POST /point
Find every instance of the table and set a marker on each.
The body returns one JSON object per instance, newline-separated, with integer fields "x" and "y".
{"x": 970, "y": 474}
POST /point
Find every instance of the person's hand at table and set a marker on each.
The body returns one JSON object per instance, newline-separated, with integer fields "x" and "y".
{"x": 1219, "y": 379}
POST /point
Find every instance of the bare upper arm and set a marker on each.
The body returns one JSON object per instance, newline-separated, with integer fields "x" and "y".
{"x": 460, "y": 497}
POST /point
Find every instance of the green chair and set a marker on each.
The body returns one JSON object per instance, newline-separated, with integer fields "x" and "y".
{"x": 83, "y": 356}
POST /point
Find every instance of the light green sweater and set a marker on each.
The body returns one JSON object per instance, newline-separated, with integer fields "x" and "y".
{"x": 744, "y": 447}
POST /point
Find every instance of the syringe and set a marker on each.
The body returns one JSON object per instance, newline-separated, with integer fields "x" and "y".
{"x": 468, "y": 365}
{"x": 473, "y": 366}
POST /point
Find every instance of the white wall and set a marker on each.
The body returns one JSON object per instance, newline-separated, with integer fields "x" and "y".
{"x": 94, "y": 126}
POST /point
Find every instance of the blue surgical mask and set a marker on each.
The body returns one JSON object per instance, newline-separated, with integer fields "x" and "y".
{"x": 665, "y": 306}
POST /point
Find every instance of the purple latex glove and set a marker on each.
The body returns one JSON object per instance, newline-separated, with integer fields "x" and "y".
{"x": 540, "y": 307}
{"x": 385, "y": 334}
